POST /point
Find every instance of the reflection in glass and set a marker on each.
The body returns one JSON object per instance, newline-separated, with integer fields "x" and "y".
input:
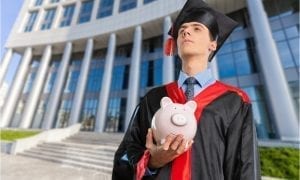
{"x": 105, "y": 8}
{"x": 127, "y": 5}
{"x": 260, "y": 113}
{"x": 85, "y": 11}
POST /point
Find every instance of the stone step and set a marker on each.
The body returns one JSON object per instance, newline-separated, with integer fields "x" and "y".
{"x": 93, "y": 161}
{"x": 102, "y": 169}
{"x": 102, "y": 156}
{"x": 73, "y": 145}
{"x": 99, "y": 136}
{"x": 73, "y": 148}
{"x": 91, "y": 142}
{"x": 88, "y": 138}
{"x": 85, "y": 150}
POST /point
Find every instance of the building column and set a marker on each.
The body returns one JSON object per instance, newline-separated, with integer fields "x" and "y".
{"x": 16, "y": 88}
{"x": 106, "y": 83}
{"x": 274, "y": 77}
{"x": 116, "y": 7}
{"x": 139, "y": 3}
{"x": 81, "y": 84}
{"x": 58, "y": 16}
{"x": 214, "y": 68}
{"x": 133, "y": 87}
{"x": 38, "y": 85}
{"x": 95, "y": 9}
{"x": 4, "y": 64}
{"x": 56, "y": 93}
{"x": 76, "y": 13}
{"x": 39, "y": 20}
{"x": 168, "y": 62}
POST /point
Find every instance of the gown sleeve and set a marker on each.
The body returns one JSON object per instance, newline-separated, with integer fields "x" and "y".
{"x": 133, "y": 143}
{"x": 241, "y": 155}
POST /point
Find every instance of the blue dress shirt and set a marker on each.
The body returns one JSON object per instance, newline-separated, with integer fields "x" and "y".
{"x": 204, "y": 78}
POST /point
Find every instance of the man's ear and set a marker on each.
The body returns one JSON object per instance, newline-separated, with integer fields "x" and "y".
{"x": 213, "y": 46}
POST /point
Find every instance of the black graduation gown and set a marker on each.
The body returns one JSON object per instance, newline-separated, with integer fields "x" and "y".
{"x": 224, "y": 147}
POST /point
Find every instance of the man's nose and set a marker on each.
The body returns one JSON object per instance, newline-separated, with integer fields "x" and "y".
{"x": 185, "y": 33}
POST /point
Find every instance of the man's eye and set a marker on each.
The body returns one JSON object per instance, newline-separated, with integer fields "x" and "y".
{"x": 197, "y": 29}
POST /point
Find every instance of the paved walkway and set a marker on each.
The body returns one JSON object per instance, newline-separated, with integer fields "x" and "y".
{"x": 25, "y": 168}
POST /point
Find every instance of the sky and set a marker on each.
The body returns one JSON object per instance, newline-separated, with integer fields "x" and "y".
{"x": 8, "y": 14}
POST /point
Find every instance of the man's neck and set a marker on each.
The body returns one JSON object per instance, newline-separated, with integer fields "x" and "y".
{"x": 193, "y": 65}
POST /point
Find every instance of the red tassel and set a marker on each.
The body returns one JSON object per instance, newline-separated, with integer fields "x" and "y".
{"x": 169, "y": 47}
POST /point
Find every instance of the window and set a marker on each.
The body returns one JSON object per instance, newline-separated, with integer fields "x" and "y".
{"x": 48, "y": 19}
{"x": 115, "y": 119}
{"x": 260, "y": 112}
{"x": 105, "y": 8}
{"x": 31, "y": 21}
{"x": 148, "y": 1}
{"x": 85, "y": 11}
{"x": 67, "y": 16}
{"x": 38, "y": 2}
{"x": 287, "y": 45}
{"x": 236, "y": 58}
{"x": 127, "y": 4}
{"x": 294, "y": 88}
{"x": 54, "y": 1}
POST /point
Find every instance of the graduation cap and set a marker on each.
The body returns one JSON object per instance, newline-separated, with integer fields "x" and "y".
{"x": 219, "y": 25}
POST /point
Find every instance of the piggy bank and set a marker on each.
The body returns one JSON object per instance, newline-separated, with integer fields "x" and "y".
{"x": 174, "y": 118}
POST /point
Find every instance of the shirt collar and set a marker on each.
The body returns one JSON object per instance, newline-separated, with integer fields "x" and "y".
{"x": 203, "y": 77}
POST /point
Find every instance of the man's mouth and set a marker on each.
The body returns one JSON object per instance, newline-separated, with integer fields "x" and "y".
{"x": 187, "y": 41}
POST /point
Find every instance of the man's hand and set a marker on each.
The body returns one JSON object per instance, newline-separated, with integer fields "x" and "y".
{"x": 165, "y": 153}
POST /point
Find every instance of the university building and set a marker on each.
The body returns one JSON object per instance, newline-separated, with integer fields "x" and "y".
{"x": 91, "y": 61}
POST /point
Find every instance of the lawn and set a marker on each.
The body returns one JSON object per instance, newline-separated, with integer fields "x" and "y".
{"x": 280, "y": 162}
{"x": 11, "y": 135}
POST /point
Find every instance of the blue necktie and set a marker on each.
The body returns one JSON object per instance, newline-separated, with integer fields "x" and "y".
{"x": 189, "y": 92}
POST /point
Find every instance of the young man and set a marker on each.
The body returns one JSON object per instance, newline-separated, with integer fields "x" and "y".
{"x": 225, "y": 143}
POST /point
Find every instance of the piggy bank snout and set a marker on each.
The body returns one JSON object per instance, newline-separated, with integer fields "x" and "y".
{"x": 179, "y": 120}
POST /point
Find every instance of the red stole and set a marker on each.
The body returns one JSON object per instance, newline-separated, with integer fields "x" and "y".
{"x": 181, "y": 166}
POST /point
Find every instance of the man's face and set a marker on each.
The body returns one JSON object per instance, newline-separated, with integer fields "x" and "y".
{"x": 194, "y": 40}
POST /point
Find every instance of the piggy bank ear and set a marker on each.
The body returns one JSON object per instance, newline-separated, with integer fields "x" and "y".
{"x": 192, "y": 105}
{"x": 165, "y": 101}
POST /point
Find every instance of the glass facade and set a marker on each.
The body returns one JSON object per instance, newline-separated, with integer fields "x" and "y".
{"x": 237, "y": 60}
{"x": 66, "y": 103}
{"x": 38, "y": 2}
{"x": 105, "y": 8}
{"x": 48, "y": 86}
{"x": 127, "y": 5}
{"x": 294, "y": 88}
{"x": 92, "y": 91}
{"x": 85, "y": 11}
{"x": 237, "y": 57}
{"x": 115, "y": 117}
{"x": 47, "y": 23}
{"x": 31, "y": 21}
{"x": 285, "y": 31}
{"x": 67, "y": 16}
{"x": 152, "y": 60}
{"x": 31, "y": 75}
{"x": 264, "y": 127}
{"x": 54, "y": 1}
{"x": 148, "y": 1}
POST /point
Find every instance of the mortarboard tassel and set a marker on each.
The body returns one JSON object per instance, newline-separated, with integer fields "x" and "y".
{"x": 169, "y": 47}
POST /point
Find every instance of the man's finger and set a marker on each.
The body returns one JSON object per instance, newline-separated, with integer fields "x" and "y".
{"x": 149, "y": 139}
{"x": 169, "y": 140}
{"x": 176, "y": 142}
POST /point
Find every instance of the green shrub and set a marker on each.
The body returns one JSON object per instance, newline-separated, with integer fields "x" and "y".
{"x": 280, "y": 162}
{"x": 11, "y": 135}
